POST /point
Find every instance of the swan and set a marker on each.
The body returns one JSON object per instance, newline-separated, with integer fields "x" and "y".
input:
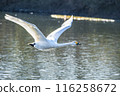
{"x": 42, "y": 42}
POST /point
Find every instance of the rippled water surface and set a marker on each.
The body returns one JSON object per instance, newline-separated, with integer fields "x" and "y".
{"x": 98, "y": 56}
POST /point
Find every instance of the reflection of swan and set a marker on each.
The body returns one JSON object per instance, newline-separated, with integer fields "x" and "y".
{"x": 41, "y": 42}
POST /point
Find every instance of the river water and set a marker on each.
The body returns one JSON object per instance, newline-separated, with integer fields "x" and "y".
{"x": 97, "y": 58}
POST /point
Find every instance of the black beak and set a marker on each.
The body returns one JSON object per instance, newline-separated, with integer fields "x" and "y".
{"x": 78, "y": 44}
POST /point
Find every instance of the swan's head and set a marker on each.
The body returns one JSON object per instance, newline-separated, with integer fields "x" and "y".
{"x": 76, "y": 43}
{"x": 32, "y": 44}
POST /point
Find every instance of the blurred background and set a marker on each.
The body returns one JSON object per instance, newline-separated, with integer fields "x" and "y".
{"x": 94, "y": 8}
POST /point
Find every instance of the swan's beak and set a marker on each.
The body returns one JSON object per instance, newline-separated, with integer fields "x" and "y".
{"x": 77, "y": 43}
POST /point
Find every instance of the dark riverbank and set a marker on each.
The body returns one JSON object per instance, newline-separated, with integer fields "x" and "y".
{"x": 91, "y": 8}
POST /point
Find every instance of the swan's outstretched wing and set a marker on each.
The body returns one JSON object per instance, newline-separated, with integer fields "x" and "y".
{"x": 56, "y": 34}
{"x": 31, "y": 28}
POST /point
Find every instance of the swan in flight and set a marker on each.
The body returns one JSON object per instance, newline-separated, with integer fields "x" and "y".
{"x": 42, "y": 42}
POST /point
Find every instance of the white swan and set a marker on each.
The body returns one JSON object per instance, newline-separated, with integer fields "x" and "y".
{"x": 42, "y": 42}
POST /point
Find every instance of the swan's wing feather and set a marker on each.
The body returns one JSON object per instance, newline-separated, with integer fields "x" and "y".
{"x": 31, "y": 28}
{"x": 57, "y": 33}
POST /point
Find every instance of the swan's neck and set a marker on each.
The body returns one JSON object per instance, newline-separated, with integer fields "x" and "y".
{"x": 64, "y": 44}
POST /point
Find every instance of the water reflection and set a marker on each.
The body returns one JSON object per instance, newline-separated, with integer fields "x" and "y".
{"x": 97, "y": 57}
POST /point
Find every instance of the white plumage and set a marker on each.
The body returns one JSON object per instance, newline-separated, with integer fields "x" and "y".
{"x": 42, "y": 42}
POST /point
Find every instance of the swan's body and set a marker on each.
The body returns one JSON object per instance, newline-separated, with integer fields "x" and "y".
{"x": 42, "y": 42}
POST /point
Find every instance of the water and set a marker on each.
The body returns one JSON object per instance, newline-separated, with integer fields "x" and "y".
{"x": 97, "y": 58}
